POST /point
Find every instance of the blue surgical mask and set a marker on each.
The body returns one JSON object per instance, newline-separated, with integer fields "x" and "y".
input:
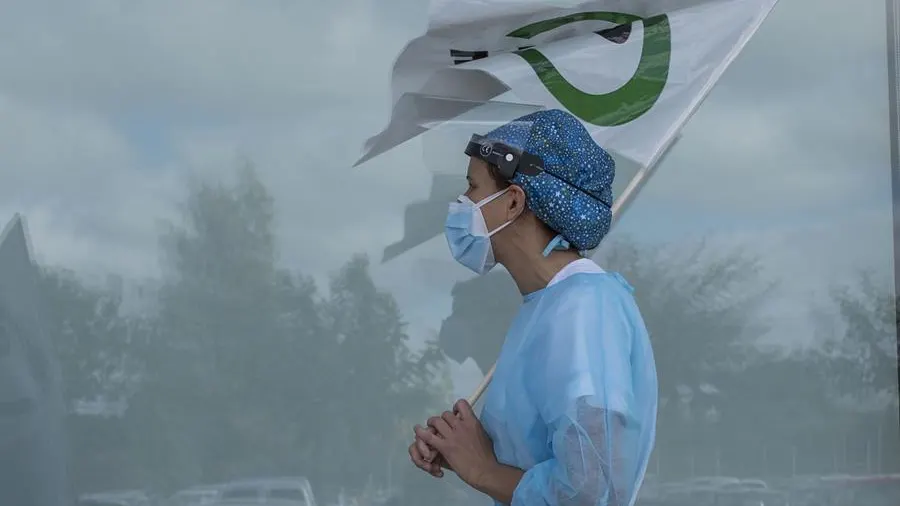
{"x": 468, "y": 236}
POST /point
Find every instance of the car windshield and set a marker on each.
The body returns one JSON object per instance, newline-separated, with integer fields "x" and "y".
{"x": 291, "y": 494}
{"x": 241, "y": 493}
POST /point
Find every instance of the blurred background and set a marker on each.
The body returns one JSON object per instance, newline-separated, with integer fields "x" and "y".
{"x": 210, "y": 320}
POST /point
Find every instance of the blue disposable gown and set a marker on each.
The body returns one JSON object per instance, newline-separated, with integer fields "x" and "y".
{"x": 574, "y": 396}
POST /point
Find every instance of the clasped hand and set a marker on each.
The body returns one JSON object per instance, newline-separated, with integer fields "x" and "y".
{"x": 456, "y": 441}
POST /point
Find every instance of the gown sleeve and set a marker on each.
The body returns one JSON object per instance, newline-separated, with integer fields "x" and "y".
{"x": 581, "y": 383}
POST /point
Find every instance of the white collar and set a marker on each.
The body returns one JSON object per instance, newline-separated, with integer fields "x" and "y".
{"x": 582, "y": 265}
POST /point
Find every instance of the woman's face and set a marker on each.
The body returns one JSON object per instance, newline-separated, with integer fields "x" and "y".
{"x": 481, "y": 186}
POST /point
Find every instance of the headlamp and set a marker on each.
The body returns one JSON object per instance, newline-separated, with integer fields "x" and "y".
{"x": 508, "y": 159}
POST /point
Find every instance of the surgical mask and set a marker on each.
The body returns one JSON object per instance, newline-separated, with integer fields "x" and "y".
{"x": 468, "y": 236}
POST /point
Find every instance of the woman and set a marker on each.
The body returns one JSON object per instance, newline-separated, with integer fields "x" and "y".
{"x": 570, "y": 417}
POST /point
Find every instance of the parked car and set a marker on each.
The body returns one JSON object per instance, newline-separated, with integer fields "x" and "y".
{"x": 719, "y": 496}
{"x": 254, "y": 502}
{"x": 294, "y": 491}
{"x": 745, "y": 485}
{"x": 874, "y": 490}
{"x": 751, "y": 497}
{"x": 117, "y": 498}
{"x": 201, "y": 495}
{"x": 712, "y": 481}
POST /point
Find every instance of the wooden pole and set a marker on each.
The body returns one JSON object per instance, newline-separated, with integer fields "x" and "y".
{"x": 718, "y": 460}
{"x": 834, "y": 458}
{"x": 879, "y": 448}
{"x": 794, "y": 460}
{"x": 868, "y": 457}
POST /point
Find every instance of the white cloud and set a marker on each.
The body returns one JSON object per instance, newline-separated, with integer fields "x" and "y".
{"x": 219, "y": 57}
{"x": 87, "y": 200}
{"x": 107, "y": 107}
{"x": 798, "y": 122}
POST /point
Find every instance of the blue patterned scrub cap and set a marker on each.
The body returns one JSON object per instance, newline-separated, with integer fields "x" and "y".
{"x": 573, "y": 196}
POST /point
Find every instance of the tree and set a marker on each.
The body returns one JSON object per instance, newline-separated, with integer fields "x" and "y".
{"x": 861, "y": 340}
{"x": 218, "y": 369}
{"x": 98, "y": 350}
{"x": 377, "y": 386}
{"x": 252, "y": 373}
{"x": 700, "y": 307}
{"x": 779, "y": 417}
{"x": 859, "y": 357}
{"x": 91, "y": 338}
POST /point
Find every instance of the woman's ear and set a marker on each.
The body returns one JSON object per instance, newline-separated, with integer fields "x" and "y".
{"x": 516, "y": 202}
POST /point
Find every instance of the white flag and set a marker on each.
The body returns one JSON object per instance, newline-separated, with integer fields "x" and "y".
{"x": 633, "y": 71}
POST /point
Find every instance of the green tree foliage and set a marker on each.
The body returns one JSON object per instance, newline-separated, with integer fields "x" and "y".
{"x": 378, "y": 389}
{"x": 701, "y": 309}
{"x": 246, "y": 370}
{"x": 210, "y": 365}
{"x": 91, "y": 338}
{"x": 98, "y": 352}
{"x": 859, "y": 361}
{"x": 861, "y": 339}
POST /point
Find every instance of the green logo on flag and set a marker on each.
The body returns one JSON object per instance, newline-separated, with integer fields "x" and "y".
{"x": 623, "y": 105}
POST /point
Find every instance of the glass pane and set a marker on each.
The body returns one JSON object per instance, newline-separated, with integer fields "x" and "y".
{"x": 197, "y": 288}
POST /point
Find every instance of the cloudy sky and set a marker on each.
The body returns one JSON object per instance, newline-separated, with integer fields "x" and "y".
{"x": 107, "y": 108}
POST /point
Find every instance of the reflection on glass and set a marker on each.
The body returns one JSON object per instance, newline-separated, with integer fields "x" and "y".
{"x": 211, "y": 275}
